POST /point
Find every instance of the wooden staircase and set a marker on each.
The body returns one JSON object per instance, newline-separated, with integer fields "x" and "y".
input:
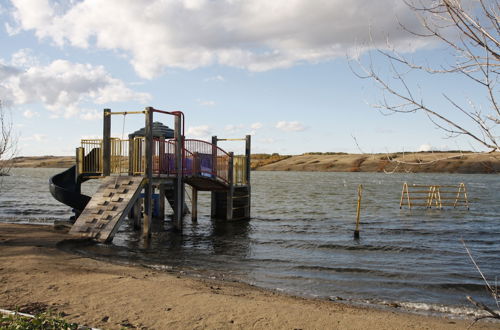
{"x": 108, "y": 208}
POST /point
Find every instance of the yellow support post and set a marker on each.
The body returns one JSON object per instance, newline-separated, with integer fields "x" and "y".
{"x": 465, "y": 196}
{"x": 358, "y": 211}
{"x": 404, "y": 192}
{"x": 430, "y": 196}
{"x": 438, "y": 192}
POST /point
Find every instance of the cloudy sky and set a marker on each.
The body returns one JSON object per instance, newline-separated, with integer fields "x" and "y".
{"x": 278, "y": 70}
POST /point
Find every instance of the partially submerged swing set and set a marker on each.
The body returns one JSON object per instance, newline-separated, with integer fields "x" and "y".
{"x": 434, "y": 196}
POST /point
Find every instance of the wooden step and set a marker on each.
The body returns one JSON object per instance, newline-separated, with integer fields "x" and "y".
{"x": 108, "y": 207}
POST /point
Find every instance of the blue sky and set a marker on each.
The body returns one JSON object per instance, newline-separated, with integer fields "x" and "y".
{"x": 278, "y": 70}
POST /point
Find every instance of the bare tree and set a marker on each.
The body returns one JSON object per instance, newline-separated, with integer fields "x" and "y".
{"x": 469, "y": 31}
{"x": 8, "y": 143}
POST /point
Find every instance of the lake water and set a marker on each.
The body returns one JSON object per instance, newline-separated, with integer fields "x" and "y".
{"x": 300, "y": 237}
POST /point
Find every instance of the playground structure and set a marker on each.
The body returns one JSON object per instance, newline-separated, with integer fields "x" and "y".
{"x": 434, "y": 195}
{"x": 156, "y": 159}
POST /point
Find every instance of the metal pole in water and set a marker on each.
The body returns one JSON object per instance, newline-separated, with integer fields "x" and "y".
{"x": 360, "y": 191}
{"x": 148, "y": 173}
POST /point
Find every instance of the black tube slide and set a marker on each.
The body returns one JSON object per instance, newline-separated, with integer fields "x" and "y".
{"x": 66, "y": 189}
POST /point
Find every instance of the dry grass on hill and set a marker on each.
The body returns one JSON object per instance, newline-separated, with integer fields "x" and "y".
{"x": 44, "y": 161}
{"x": 428, "y": 162}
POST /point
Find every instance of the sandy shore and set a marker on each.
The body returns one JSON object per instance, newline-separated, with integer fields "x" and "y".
{"x": 36, "y": 274}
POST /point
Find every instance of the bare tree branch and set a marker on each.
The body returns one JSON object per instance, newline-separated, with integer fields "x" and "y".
{"x": 490, "y": 289}
{"x": 471, "y": 34}
{"x": 493, "y": 291}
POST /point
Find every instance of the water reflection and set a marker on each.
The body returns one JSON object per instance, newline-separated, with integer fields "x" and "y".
{"x": 231, "y": 236}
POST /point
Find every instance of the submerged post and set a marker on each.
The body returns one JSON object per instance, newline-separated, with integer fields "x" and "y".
{"x": 194, "y": 205}
{"x": 213, "y": 197}
{"x": 161, "y": 204}
{"x": 106, "y": 143}
{"x": 356, "y": 231}
{"x": 230, "y": 190}
{"x": 137, "y": 213}
{"x": 194, "y": 191}
{"x": 148, "y": 173}
{"x": 248, "y": 155}
{"x": 179, "y": 184}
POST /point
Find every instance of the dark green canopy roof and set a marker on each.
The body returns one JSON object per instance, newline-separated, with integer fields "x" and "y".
{"x": 159, "y": 130}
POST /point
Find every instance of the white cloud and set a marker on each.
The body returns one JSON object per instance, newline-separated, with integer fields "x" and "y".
{"x": 290, "y": 126}
{"x": 215, "y": 78}
{"x": 7, "y": 71}
{"x": 12, "y": 30}
{"x": 35, "y": 137}
{"x": 267, "y": 141}
{"x": 231, "y": 129}
{"x": 91, "y": 114}
{"x": 444, "y": 147}
{"x": 39, "y": 137}
{"x": 30, "y": 114}
{"x": 206, "y": 103}
{"x": 256, "y": 126}
{"x": 256, "y": 35}
{"x": 24, "y": 58}
{"x": 91, "y": 137}
{"x": 425, "y": 147}
{"x": 62, "y": 86}
{"x": 199, "y": 131}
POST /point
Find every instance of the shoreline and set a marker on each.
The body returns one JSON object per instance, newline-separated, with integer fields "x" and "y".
{"x": 112, "y": 296}
{"x": 454, "y": 312}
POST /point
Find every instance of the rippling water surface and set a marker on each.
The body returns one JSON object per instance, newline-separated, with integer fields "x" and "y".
{"x": 300, "y": 237}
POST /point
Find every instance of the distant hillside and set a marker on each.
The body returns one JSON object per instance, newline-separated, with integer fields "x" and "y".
{"x": 44, "y": 161}
{"x": 427, "y": 162}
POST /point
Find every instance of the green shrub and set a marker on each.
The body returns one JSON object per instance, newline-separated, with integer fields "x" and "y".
{"x": 44, "y": 321}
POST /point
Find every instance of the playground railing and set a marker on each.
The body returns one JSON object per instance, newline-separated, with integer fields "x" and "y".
{"x": 128, "y": 156}
{"x": 119, "y": 161}
{"x": 92, "y": 150}
{"x": 93, "y": 160}
{"x": 212, "y": 161}
{"x": 137, "y": 156}
{"x": 164, "y": 158}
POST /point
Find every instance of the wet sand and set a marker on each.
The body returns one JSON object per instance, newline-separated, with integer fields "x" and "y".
{"x": 36, "y": 274}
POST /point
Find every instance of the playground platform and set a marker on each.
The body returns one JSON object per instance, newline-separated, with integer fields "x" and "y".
{"x": 154, "y": 159}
